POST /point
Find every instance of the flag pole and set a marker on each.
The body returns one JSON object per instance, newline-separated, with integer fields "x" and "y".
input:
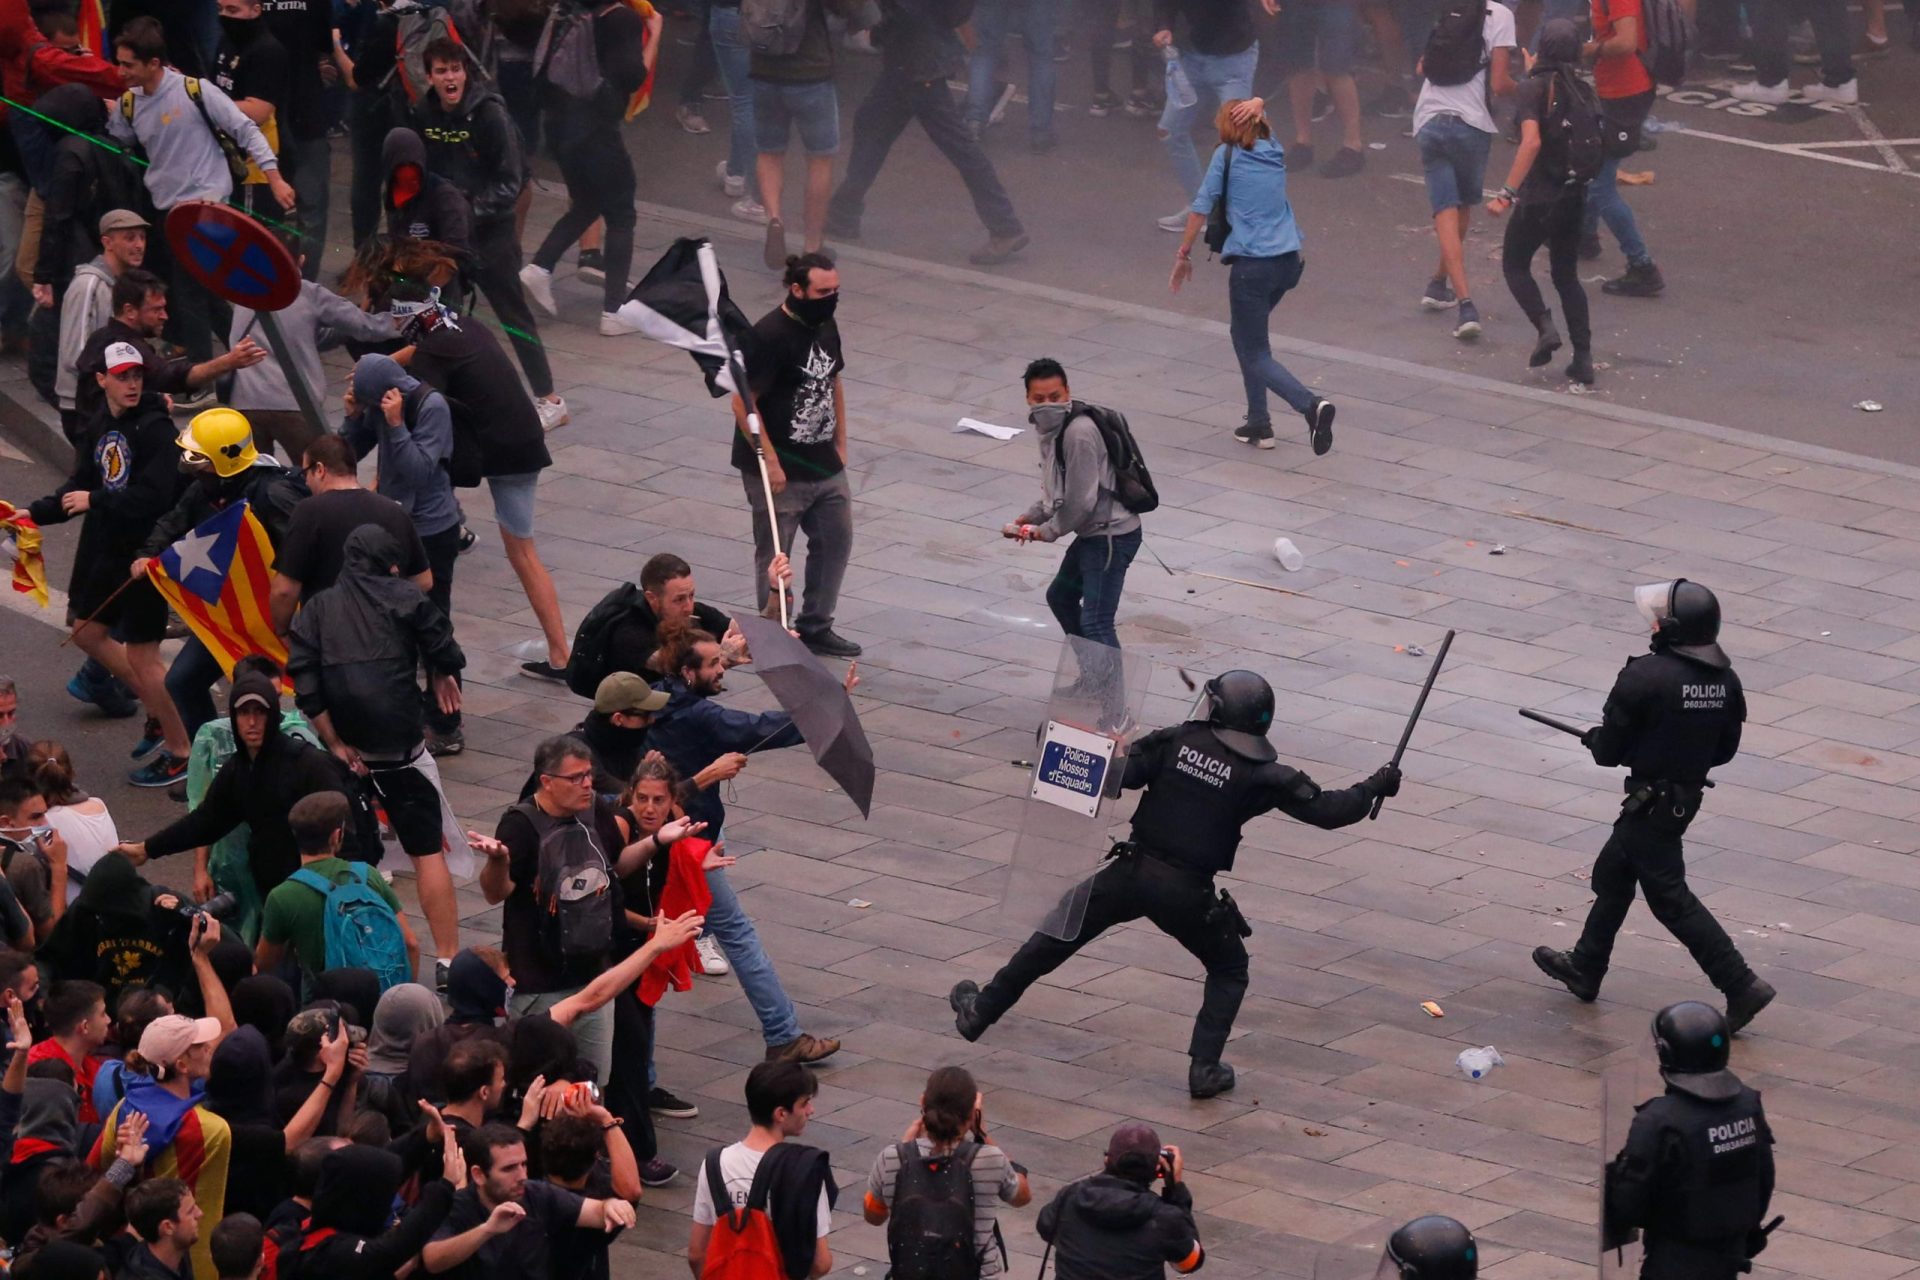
{"x": 96, "y": 613}
{"x": 737, "y": 367}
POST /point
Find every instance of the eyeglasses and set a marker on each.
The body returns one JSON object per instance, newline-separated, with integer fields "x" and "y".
{"x": 579, "y": 779}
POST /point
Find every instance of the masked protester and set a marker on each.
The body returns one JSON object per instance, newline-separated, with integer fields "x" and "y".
{"x": 1204, "y": 780}
{"x": 1673, "y": 714}
{"x": 1696, "y": 1173}
{"x": 421, "y": 204}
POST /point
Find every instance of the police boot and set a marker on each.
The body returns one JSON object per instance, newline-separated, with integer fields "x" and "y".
{"x": 1747, "y": 1002}
{"x": 1209, "y": 1079}
{"x": 967, "y": 1019}
{"x": 1559, "y": 966}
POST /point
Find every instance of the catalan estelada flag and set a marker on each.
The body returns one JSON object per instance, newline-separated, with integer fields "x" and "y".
{"x": 217, "y": 578}
{"x": 20, "y": 543}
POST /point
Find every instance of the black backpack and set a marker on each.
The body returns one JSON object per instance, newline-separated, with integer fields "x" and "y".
{"x": 573, "y": 886}
{"x": 930, "y": 1226}
{"x": 589, "y": 664}
{"x": 1571, "y": 140}
{"x": 1133, "y": 485}
{"x": 1456, "y": 47}
{"x": 1669, "y": 41}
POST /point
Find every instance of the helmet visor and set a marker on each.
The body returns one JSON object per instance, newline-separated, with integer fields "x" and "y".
{"x": 1654, "y": 601}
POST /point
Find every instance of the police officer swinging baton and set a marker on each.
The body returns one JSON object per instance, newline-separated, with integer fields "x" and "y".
{"x": 1551, "y": 723}
{"x": 1419, "y": 706}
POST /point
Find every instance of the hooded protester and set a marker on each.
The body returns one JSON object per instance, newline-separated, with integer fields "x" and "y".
{"x": 265, "y": 1003}
{"x": 477, "y": 997}
{"x": 257, "y": 786}
{"x": 405, "y": 1015}
{"x": 1113, "y": 1227}
{"x": 419, "y": 202}
{"x": 348, "y": 1237}
{"x": 117, "y": 935}
{"x": 232, "y": 961}
{"x": 240, "y": 1091}
{"x": 48, "y": 1131}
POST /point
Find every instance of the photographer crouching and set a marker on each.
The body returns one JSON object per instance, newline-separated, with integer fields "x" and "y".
{"x": 1113, "y": 1227}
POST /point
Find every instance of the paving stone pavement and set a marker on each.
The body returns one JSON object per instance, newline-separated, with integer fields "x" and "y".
{"x": 1524, "y": 521}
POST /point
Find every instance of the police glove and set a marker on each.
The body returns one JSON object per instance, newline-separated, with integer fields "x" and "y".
{"x": 1385, "y": 781}
{"x": 1587, "y": 738}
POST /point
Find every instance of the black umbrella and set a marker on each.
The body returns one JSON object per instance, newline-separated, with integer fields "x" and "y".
{"x": 818, "y": 702}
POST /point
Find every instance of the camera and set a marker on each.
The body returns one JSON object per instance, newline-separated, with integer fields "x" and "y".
{"x": 216, "y": 906}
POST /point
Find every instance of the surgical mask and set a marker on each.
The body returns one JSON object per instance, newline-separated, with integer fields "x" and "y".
{"x": 812, "y": 312}
{"x": 1048, "y": 418}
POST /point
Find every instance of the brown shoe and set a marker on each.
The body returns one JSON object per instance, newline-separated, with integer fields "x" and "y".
{"x": 804, "y": 1050}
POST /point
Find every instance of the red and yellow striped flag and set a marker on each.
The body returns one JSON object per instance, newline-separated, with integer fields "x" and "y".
{"x": 20, "y": 541}
{"x": 217, "y": 579}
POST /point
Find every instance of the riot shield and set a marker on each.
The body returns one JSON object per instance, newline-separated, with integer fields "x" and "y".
{"x": 1355, "y": 1262}
{"x": 1623, "y": 1087}
{"x": 1070, "y": 820}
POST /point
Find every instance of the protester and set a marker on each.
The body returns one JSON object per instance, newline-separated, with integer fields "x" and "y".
{"x": 313, "y": 552}
{"x": 795, "y": 91}
{"x": 352, "y": 653}
{"x": 1547, "y": 207}
{"x": 125, "y": 934}
{"x": 348, "y": 1236}
{"x": 797, "y": 1186}
{"x": 294, "y": 925}
{"x": 87, "y": 302}
{"x": 13, "y": 747}
{"x": 667, "y": 597}
{"x": 1112, "y": 1226}
{"x": 585, "y": 134}
{"x": 422, "y": 204}
{"x": 82, "y": 821}
{"x": 250, "y": 66}
{"x": 1626, "y": 92}
{"x": 737, "y": 173}
{"x": 472, "y": 143}
{"x": 1218, "y": 60}
{"x": 585, "y": 1152}
{"x": 1771, "y": 21}
{"x": 795, "y": 380}
{"x": 915, "y": 39}
{"x": 1453, "y": 124}
{"x": 240, "y": 1091}
{"x": 1037, "y": 23}
{"x": 139, "y": 302}
{"x": 305, "y": 29}
{"x": 33, "y": 857}
{"x": 1317, "y": 41}
{"x": 169, "y": 1223}
{"x": 914, "y": 1181}
{"x": 505, "y": 1225}
{"x": 77, "y": 1025}
{"x": 1263, "y": 245}
{"x": 1104, "y": 34}
{"x": 238, "y": 1247}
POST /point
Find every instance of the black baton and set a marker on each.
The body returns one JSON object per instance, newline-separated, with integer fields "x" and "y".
{"x": 1419, "y": 706}
{"x": 1551, "y": 723}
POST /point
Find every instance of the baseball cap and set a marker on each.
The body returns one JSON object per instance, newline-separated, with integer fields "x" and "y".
{"x": 1136, "y": 1140}
{"x": 251, "y": 698}
{"x": 121, "y": 356}
{"x": 627, "y": 692}
{"x": 167, "y": 1039}
{"x": 122, "y": 220}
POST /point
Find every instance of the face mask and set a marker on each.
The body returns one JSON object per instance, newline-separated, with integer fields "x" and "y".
{"x": 1048, "y": 418}
{"x": 239, "y": 30}
{"x": 812, "y": 312}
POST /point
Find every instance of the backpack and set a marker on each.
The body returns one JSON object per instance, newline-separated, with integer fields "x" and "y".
{"x": 773, "y": 27}
{"x": 743, "y": 1245}
{"x": 589, "y": 665}
{"x": 1133, "y": 486}
{"x": 236, "y": 156}
{"x": 1669, "y": 41}
{"x": 573, "y": 887}
{"x": 567, "y": 58}
{"x": 421, "y": 22}
{"x": 1456, "y": 46}
{"x": 362, "y": 930}
{"x": 1571, "y": 143}
{"x": 930, "y": 1226}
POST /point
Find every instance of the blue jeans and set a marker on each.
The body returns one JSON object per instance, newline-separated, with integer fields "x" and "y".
{"x": 1036, "y": 22}
{"x": 729, "y": 922}
{"x": 1254, "y": 288}
{"x": 190, "y": 684}
{"x": 1215, "y": 80}
{"x": 1086, "y": 591}
{"x": 779, "y": 109}
{"x": 730, "y": 51}
{"x": 1605, "y": 201}
{"x": 1453, "y": 158}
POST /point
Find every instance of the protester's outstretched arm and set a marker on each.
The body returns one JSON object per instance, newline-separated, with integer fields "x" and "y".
{"x": 203, "y": 938}
{"x": 669, "y": 934}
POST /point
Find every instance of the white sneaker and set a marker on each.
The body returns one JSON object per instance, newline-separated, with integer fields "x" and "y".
{"x": 1000, "y": 104}
{"x": 1754, "y": 91}
{"x": 553, "y": 413}
{"x": 1847, "y": 95}
{"x": 690, "y": 119}
{"x": 747, "y": 209}
{"x": 711, "y": 960}
{"x": 615, "y": 325}
{"x": 1174, "y": 222}
{"x": 733, "y": 186}
{"x": 538, "y": 282}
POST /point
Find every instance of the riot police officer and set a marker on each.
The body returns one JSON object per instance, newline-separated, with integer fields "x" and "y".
{"x": 1432, "y": 1248}
{"x": 1204, "y": 780}
{"x": 1696, "y": 1173}
{"x": 1673, "y": 714}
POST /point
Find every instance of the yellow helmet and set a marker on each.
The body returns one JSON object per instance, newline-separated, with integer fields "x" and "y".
{"x": 221, "y": 436}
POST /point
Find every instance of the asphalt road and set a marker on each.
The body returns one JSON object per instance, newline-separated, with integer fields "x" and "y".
{"x": 1791, "y": 277}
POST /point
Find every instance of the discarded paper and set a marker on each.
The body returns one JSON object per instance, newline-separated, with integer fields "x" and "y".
{"x": 861, "y": 903}
{"x": 987, "y": 429}
{"x": 1868, "y": 406}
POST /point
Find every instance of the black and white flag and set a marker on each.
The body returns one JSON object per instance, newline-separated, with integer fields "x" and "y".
{"x": 682, "y": 301}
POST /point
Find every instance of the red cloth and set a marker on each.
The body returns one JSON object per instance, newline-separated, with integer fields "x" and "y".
{"x": 22, "y": 43}
{"x": 686, "y": 890}
{"x": 83, "y": 1074}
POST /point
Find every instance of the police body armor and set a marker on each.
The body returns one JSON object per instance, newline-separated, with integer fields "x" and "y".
{"x": 1708, "y": 1173}
{"x": 1686, "y": 717}
{"x": 1199, "y": 796}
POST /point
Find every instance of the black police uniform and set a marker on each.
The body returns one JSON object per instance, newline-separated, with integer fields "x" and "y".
{"x": 1695, "y": 1176}
{"x": 1670, "y": 718}
{"x": 1199, "y": 794}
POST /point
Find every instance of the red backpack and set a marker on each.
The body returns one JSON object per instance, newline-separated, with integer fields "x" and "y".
{"x": 743, "y": 1246}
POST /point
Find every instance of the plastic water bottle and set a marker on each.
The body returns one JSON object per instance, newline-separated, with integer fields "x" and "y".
{"x": 1288, "y": 555}
{"x": 1179, "y": 89}
{"x": 1474, "y": 1064}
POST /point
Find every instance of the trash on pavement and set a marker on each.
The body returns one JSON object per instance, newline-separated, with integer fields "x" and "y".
{"x": 1288, "y": 555}
{"x": 1432, "y": 1010}
{"x": 1868, "y": 406}
{"x": 1475, "y": 1063}
{"x": 987, "y": 429}
{"x": 861, "y": 903}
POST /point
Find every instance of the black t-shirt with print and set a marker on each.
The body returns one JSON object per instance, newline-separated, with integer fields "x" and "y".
{"x": 256, "y": 69}
{"x": 793, "y": 369}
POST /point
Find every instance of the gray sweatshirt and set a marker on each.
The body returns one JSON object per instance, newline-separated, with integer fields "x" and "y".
{"x": 184, "y": 160}
{"x": 87, "y": 304}
{"x": 1076, "y": 483}
{"x": 317, "y": 320}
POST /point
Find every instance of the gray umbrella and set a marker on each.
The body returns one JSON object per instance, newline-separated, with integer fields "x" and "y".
{"x": 818, "y": 702}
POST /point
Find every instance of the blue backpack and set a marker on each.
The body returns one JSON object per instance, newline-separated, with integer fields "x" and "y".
{"x": 362, "y": 931}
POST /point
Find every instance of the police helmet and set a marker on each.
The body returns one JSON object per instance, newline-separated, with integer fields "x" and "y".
{"x": 1693, "y": 1043}
{"x": 221, "y": 438}
{"x": 1240, "y": 711}
{"x": 1433, "y": 1248}
{"x": 1685, "y": 617}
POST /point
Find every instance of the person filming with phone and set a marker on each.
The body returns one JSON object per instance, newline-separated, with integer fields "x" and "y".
{"x": 1113, "y": 1226}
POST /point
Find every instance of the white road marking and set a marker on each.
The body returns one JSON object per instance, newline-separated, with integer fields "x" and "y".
{"x": 1871, "y": 132}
